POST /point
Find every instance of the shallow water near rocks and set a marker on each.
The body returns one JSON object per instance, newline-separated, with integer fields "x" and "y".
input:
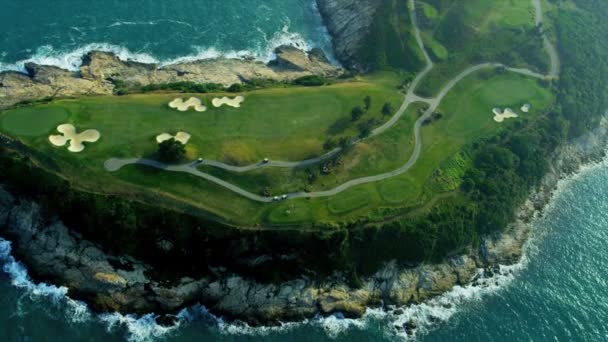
{"x": 559, "y": 293}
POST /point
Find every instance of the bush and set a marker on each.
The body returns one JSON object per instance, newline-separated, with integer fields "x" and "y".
{"x": 171, "y": 151}
{"x": 357, "y": 113}
{"x": 184, "y": 87}
{"x": 387, "y": 109}
{"x": 311, "y": 81}
{"x": 236, "y": 88}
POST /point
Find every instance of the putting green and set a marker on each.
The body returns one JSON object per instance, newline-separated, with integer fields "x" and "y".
{"x": 33, "y": 121}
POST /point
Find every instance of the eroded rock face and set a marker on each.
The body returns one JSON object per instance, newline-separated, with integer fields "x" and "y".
{"x": 54, "y": 253}
{"x": 348, "y": 22}
{"x": 99, "y": 67}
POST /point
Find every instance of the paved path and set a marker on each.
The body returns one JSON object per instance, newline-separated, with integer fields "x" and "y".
{"x": 191, "y": 168}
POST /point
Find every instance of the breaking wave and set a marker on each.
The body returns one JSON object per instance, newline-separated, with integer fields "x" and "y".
{"x": 72, "y": 60}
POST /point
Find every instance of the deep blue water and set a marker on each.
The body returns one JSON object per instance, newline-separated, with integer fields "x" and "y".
{"x": 59, "y": 32}
{"x": 558, "y": 293}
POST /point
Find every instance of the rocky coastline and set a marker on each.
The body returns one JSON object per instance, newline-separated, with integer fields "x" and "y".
{"x": 54, "y": 253}
{"x": 99, "y": 69}
{"x": 349, "y": 23}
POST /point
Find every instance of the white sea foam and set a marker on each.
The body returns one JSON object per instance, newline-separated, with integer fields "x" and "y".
{"x": 72, "y": 60}
{"x": 138, "y": 329}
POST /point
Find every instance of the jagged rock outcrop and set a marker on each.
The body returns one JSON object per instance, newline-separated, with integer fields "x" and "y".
{"x": 99, "y": 67}
{"x": 349, "y": 23}
{"x": 120, "y": 283}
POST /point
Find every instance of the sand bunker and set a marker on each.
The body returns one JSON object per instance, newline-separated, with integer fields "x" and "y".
{"x": 182, "y": 137}
{"x": 76, "y": 139}
{"x": 236, "y": 102}
{"x": 182, "y": 106}
{"x": 500, "y": 116}
{"x": 526, "y": 108}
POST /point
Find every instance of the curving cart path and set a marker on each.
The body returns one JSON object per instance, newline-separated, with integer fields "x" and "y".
{"x": 115, "y": 164}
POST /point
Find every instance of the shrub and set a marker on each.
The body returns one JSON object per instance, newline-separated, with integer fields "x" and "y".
{"x": 171, "y": 151}
{"x": 310, "y": 81}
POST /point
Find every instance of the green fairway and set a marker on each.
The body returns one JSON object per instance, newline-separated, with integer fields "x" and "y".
{"x": 282, "y": 124}
{"x": 33, "y": 121}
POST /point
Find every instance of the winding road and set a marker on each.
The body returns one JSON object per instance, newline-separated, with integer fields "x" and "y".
{"x": 114, "y": 164}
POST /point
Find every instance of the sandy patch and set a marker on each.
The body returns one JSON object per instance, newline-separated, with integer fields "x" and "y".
{"x": 526, "y": 108}
{"x": 76, "y": 139}
{"x": 235, "y": 102}
{"x": 500, "y": 116}
{"x": 182, "y": 106}
{"x": 182, "y": 137}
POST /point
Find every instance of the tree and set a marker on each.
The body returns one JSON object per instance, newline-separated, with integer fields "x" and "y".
{"x": 357, "y": 113}
{"x": 171, "y": 151}
{"x": 368, "y": 102}
{"x": 387, "y": 109}
{"x": 236, "y": 88}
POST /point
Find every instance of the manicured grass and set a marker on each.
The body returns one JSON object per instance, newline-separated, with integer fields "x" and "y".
{"x": 290, "y": 213}
{"x": 349, "y": 201}
{"x": 396, "y": 191}
{"x": 375, "y": 155}
{"x": 282, "y": 123}
{"x": 33, "y": 121}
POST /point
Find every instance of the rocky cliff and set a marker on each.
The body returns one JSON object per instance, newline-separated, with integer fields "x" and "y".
{"x": 99, "y": 67}
{"x": 349, "y": 23}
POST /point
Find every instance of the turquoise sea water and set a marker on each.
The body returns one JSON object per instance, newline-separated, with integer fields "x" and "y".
{"x": 59, "y": 32}
{"x": 558, "y": 293}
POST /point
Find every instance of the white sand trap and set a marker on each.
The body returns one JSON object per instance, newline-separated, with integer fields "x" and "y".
{"x": 235, "y": 102}
{"x": 526, "y": 108}
{"x": 182, "y": 106}
{"x": 500, "y": 116}
{"x": 182, "y": 137}
{"x": 76, "y": 139}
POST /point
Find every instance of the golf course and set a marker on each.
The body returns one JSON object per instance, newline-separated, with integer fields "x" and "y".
{"x": 293, "y": 155}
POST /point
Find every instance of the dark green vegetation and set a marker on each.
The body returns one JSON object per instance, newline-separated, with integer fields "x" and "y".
{"x": 470, "y": 178}
{"x": 391, "y": 43}
{"x": 583, "y": 87}
{"x": 458, "y": 34}
{"x": 171, "y": 151}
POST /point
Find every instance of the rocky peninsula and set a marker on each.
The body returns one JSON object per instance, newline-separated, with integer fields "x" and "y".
{"x": 99, "y": 69}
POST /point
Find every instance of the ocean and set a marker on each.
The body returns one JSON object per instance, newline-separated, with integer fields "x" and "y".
{"x": 59, "y": 32}
{"x": 558, "y": 292}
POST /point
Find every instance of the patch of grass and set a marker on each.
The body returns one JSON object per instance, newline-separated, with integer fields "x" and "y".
{"x": 350, "y": 200}
{"x": 34, "y": 121}
{"x": 398, "y": 191}
{"x": 288, "y": 213}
